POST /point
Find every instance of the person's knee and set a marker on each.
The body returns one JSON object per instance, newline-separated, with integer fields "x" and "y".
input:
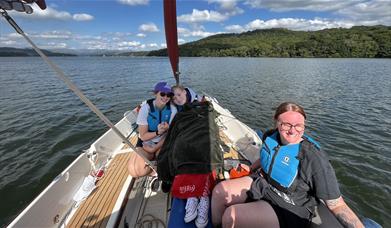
{"x": 137, "y": 167}
{"x": 220, "y": 192}
{"x": 228, "y": 218}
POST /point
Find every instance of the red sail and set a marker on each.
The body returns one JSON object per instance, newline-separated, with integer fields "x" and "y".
{"x": 170, "y": 25}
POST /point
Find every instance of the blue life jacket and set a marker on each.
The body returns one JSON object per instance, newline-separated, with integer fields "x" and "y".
{"x": 155, "y": 117}
{"x": 280, "y": 163}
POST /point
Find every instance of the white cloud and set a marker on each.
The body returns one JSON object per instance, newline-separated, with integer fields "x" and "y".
{"x": 235, "y": 28}
{"x": 141, "y": 35}
{"x": 54, "y": 45}
{"x": 228, "y": 6}
{"x": 369, "y": 13}
{"x": 290, "y": 23}
{"x": 53, "y": 35}
{"x": 194, "y": 33}
{"x": 202, "y": 16}
{"x": 358, "y": 12}
{"x": 149, "y": 27}
{"x": 49, "y": 13}
{"x": 129, "y": 44}
{"x": 181, "y": 41}
{"x": 163, "y": 45}
{"x": 8, "y": 42}
{"x": 14, "y": 35}
{"x": 82, "y": 17}
{"x": 311, "y": 5}
{"x": 94, "y": 44}
{"x": 153, "y": 45}
{"x": 52, "y": 13}
{"x": 225, "y": 4}
{"x": 134, "y": 2}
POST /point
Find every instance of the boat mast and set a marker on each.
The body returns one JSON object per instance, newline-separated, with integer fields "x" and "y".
{"x": 170, "y": 26}
{"x": 72, "y": 86}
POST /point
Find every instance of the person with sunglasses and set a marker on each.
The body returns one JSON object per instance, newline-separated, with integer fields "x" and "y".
{"x": 153, "y": 121}
{"x": 293, "y": 176}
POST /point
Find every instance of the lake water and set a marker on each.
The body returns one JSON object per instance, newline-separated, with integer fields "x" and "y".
{"x": 44, "y": 127}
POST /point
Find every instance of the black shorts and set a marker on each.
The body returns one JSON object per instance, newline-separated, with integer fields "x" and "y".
{"x": 139, "y": 143}
{"x": 289, "y": 219}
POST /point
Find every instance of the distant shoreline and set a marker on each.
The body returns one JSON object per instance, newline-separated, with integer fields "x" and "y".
{"x": 356, "y": 42}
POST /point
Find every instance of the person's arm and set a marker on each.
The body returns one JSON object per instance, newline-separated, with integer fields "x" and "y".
{"x": 343, "y": 213}
{"x": 145, "y": 135}
{"x": 255, "y": 165}
{"x": 153, "y": 148}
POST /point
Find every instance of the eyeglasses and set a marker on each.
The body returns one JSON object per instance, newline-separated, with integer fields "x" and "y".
{"x": 169, "y": 95}
{"x": 287, "y": 126}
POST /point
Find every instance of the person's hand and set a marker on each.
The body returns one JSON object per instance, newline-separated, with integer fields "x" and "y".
{"x": 162, "y": 127}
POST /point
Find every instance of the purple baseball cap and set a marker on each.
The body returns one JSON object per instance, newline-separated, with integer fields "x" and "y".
{"x": 162, "y": 87}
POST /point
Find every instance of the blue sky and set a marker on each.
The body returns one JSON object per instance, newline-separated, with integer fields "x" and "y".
{"x": 137, "y": 25}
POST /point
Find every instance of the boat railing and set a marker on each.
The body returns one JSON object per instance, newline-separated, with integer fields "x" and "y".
{"x": 110, "y": 143}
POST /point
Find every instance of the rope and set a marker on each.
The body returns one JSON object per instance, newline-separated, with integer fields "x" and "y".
{"x": 143, "y": 222}
{"x": 153, "y": 222}
{"x": 73, "y": 87}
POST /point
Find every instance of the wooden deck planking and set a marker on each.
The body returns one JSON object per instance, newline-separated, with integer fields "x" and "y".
{"x": 89, "y": 213}
{"x": 110, "y": 193}
{"x": 86, "y": 212}
{"x": 106, "y": 211}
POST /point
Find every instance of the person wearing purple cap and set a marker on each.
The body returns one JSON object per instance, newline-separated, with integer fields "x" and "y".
{"x": 153, "y": 121}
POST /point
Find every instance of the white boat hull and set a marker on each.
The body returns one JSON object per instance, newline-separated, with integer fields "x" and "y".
{"x": 55, "y": 205}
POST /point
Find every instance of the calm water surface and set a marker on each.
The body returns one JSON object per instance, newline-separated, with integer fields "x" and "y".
{"x": 44, "y": 127}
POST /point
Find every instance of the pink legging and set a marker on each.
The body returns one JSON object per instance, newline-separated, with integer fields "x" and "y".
{"x": 229, "y": 209}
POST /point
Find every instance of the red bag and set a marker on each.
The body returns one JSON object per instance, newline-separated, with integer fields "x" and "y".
{"x": 192, "y": 185}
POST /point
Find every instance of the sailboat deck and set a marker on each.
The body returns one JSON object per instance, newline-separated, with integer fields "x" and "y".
{"x": 96, "y": 210}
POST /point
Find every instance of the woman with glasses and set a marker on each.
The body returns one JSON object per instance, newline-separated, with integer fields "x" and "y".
{"x": 153, "y": 121}
{"x": 293, "y": 175}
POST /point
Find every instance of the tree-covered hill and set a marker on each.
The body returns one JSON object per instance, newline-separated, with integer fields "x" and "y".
{"x": 6, "y": 51}
{"x": 359, "y": 41}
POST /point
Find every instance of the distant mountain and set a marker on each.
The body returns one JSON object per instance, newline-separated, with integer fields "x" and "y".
{"x": 101, "y": 52}
{"x": 134, "y": 53}
{"x": 359, "y": 41}
{"x": 6, "y": 51}
{"x": 91, "y": 52}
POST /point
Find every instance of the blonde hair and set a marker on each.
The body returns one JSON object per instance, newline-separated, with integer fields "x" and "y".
{"x": 180, "y": 87}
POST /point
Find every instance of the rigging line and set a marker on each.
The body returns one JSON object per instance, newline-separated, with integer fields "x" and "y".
{"x": 73, "y": 87}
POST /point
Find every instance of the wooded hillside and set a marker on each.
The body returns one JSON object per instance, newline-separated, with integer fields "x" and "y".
{"x": 359, "y": 41}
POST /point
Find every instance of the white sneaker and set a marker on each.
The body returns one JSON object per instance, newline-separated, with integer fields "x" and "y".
{"x": 202, "y": 209}
{"x": 191, "y": 209}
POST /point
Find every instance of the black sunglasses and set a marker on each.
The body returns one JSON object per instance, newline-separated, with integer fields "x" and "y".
{"x": 163, "y": 94}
